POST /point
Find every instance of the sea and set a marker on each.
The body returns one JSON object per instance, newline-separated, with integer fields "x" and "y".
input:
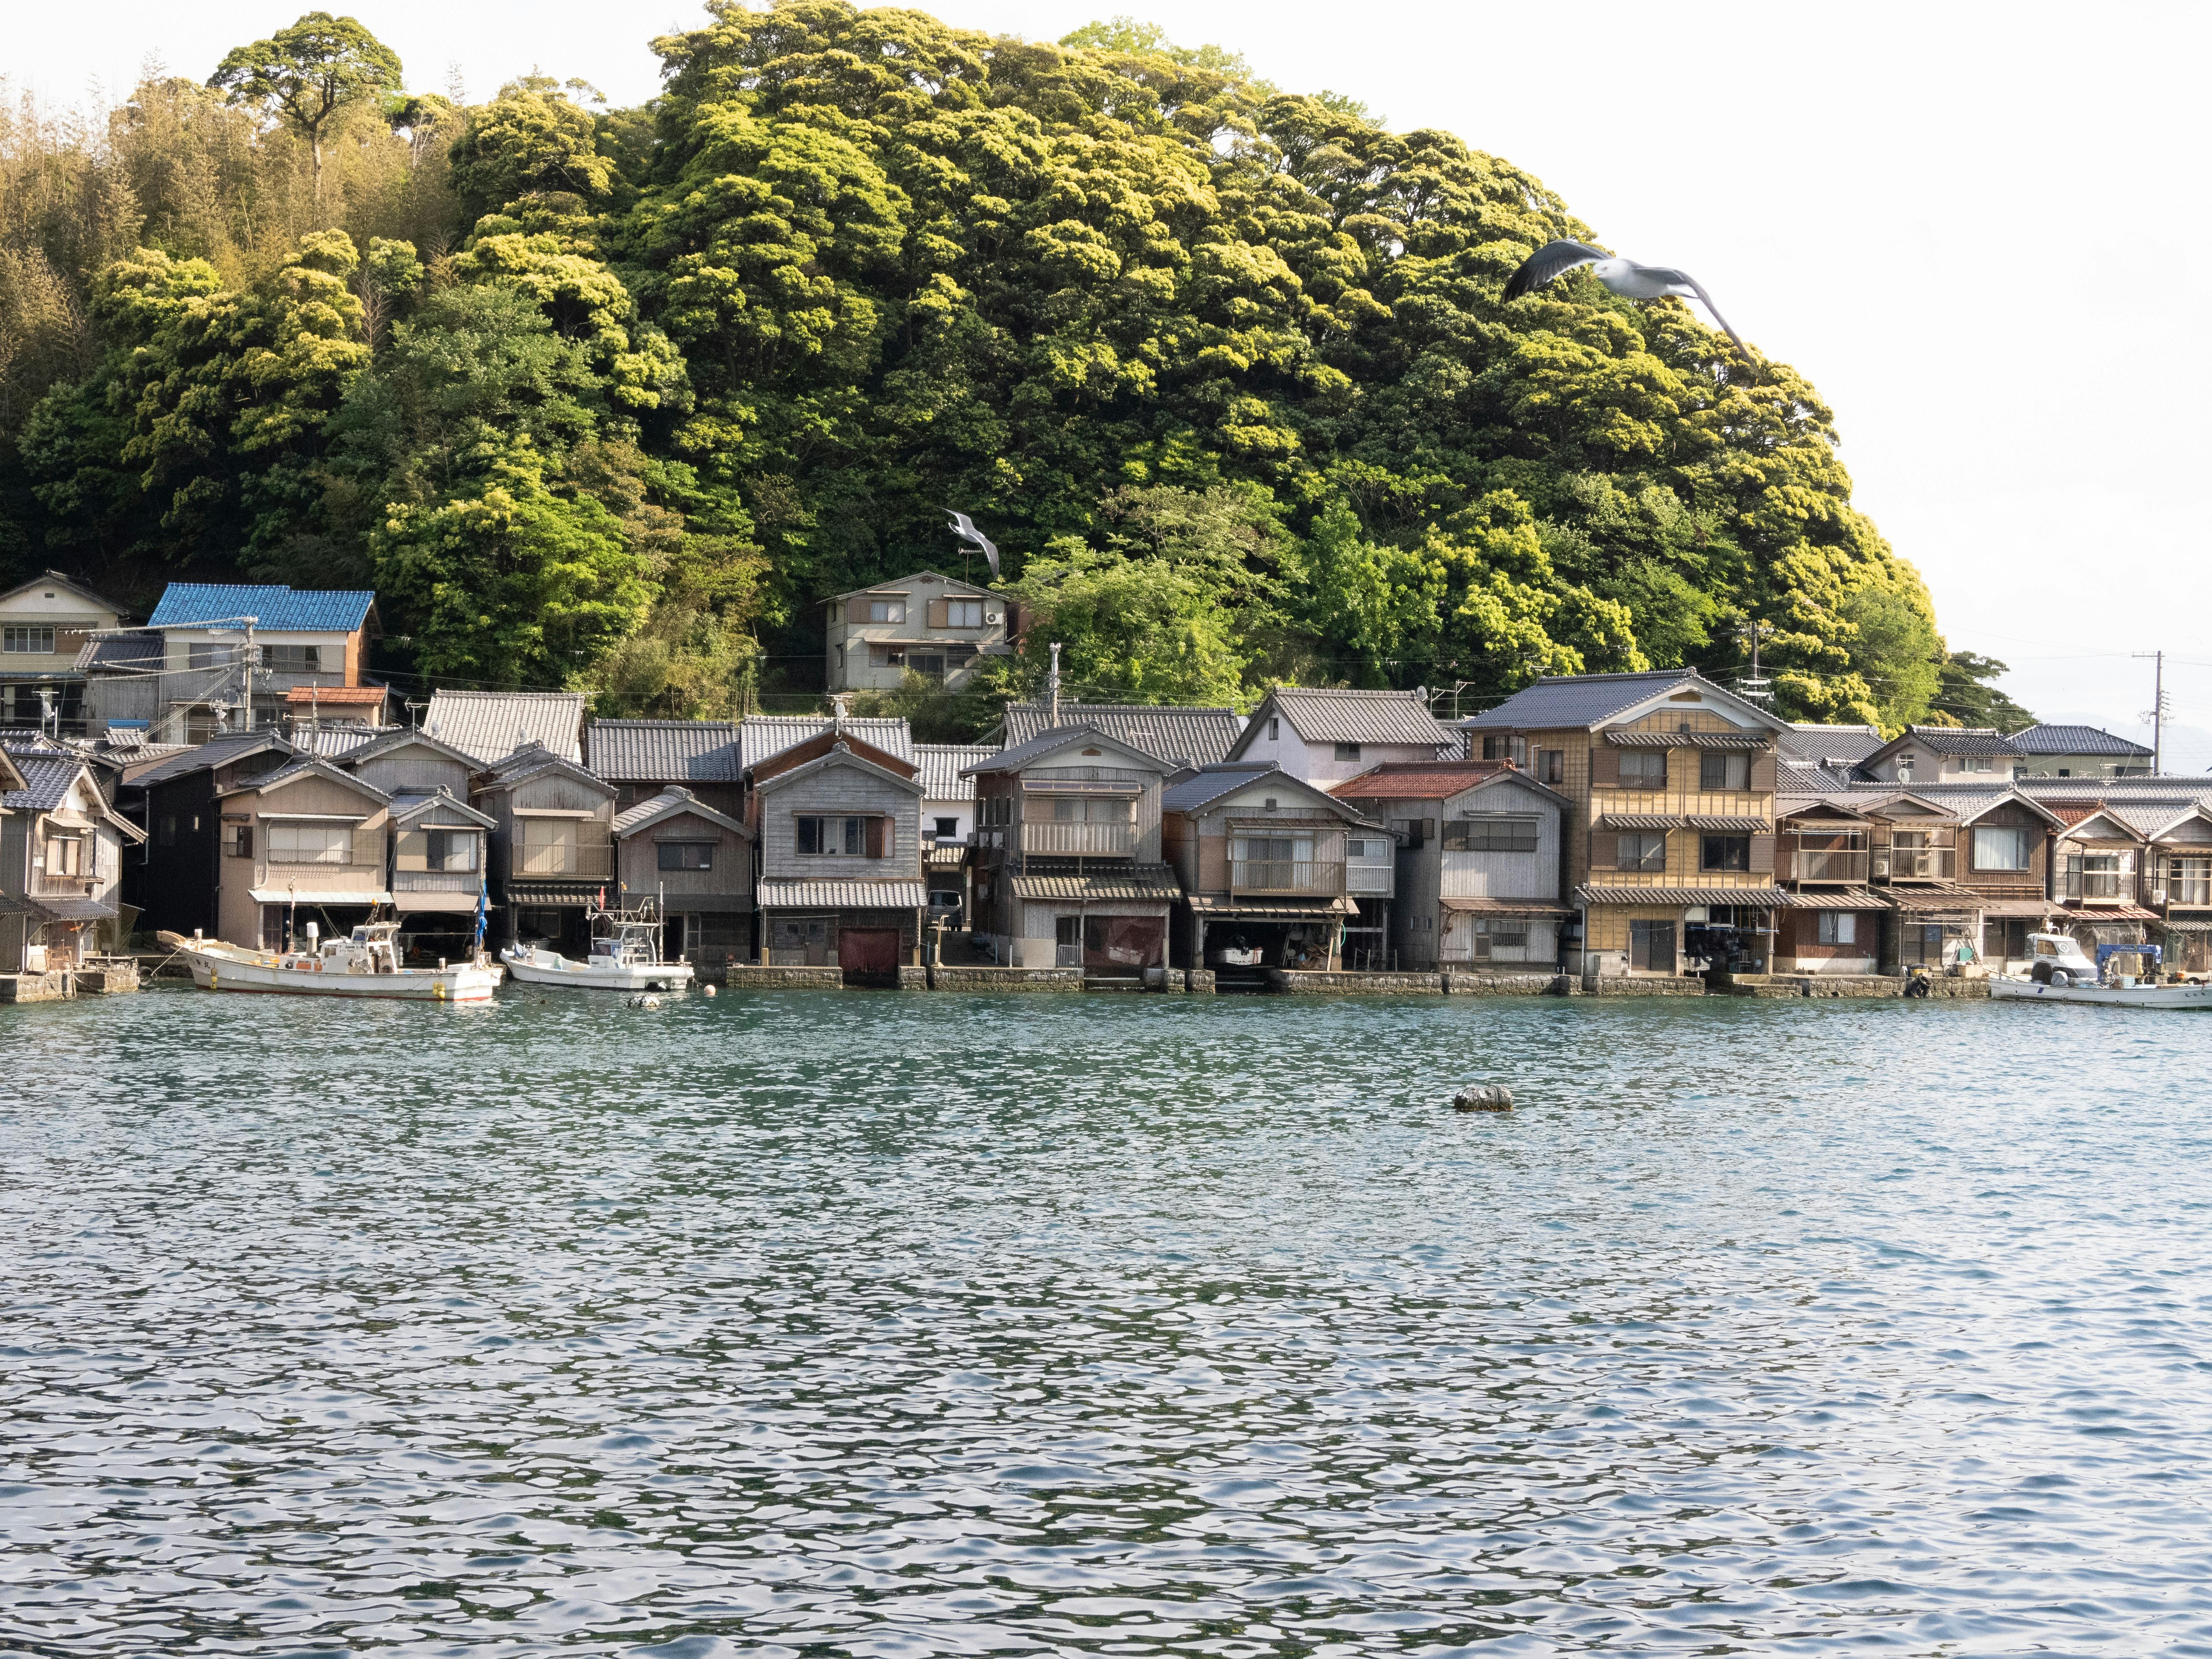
{"x": 895, "y": 1324}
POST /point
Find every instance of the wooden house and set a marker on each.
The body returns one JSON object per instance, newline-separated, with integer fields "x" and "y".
{"x": 695, "y": 862}
{"x": 1181, "y": 736}
{"x": 306, "y": 843}
{"x": 1326, "y": 736}
{"x": 2178, "y": 882}
{"x": 1668, "y": 841}
{"x": 1831, "y": 921}
{"x": 62, "y": 851}
{"x": 642, "y": 759}
{"x": 1922, "y": 755}
{"x": 837, "y": 822}
{"x": 176, "y": 884}
{"x": 46, "y": 624}
{"x": 551, "y": 846}
{"x": 925, "y": 623}
{"x": 1068, "y": 865}
{"x": 440, "y": 851}
{"x": 2100, "y": 866}
{"x": 948, "y": 817}
{"x": 1272, "y": 871}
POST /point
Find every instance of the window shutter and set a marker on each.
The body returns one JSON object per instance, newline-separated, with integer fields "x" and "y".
{"x": 1604, "y": 850}
{"x": 879, "y": 837}
{"x": 1604, "y": 762}
{"x": 937, "y": 614}
{"x": 1762, "y": 855}
{"x": 856, "y": 610}
{"x": 1428, "y": 829}
{"x": 1762, "y": 773}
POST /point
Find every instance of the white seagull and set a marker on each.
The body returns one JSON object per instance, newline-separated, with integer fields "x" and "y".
{"x": 964, "y": 527}
{"x": 1623, "y": 276}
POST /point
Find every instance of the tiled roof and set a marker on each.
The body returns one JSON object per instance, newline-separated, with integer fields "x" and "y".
{"x": 2077, "y": 740}
{"x": 414, "y": 803}
{"x": 1048, "y": 742}
{"x": 1154, "y": 881}
{"x": 1843, "y": 745}
{"x": 46, "y": 780}
{"x": 1211, "y": 783}
{"x": 1795, "y": 778}
{"x": 320, "y": 767}
{"x": 120, "y": 651}
{"x": 1505, "y": 906}
{"x": 1588, "y": 700}
{"x": 1272, "y": 909}
{"x": 310, "y": 697}
{"x": 215, "y": 751}
{"x": 900, "y": 584}
{"x": 523, "y": 763}
{"x": 1757, "y": 898}
{"x": 275, "y": 610}
{"x": 664, "y": 751}
{"x": 940, "y": 765}
{"x": 1320, "y": 714}
{"x": 332, "y": 741}
{"x": 893, "y": 895}
{"x": 489, "y": 725}
{"x": 1167, "y": 732}
{"x": 667, "y": 804}
{"x": 1934, "y": 899}
{"x": 1834, "y": 898}
{"x": 1959, "y": 740}
{"x": 1420, "y": 779}
{"x": 763, "y": 736}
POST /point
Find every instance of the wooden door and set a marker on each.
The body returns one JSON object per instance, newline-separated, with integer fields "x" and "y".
{"x": 1651, "y": 947}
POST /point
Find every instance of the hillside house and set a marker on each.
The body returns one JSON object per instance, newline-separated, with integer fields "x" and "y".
{"x": 46, "y": 624}
{"x": 2078, "y": 751}
{"x": 1922, "y": 755}
{"x": 925, "y": 623}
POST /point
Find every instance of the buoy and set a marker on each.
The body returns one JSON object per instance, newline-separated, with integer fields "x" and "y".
{"x": 709, "y": 989}
{"x": 1483, "y": 1097}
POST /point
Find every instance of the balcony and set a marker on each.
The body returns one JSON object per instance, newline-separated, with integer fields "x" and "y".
{"x": 1073, "y": 838}
{"x": 1370, "y": 878}
{"x": 434, "y": 881}
{"x": 561, "y": 861}
{"x": 1312, "y": 878}
{"x": 1916, "y": 863}
{"x": 1848, "y": 865}
{"x": 2110, "y": 886}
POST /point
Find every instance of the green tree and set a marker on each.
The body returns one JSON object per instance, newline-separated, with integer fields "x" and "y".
{"x": 305, "y": 75}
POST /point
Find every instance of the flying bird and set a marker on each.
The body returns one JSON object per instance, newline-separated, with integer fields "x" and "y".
{"x": 1623, "y": 276}
{"x": 964, "y": 527}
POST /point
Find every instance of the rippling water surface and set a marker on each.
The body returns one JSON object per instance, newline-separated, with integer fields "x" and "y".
{"x": 883, "y": 1324}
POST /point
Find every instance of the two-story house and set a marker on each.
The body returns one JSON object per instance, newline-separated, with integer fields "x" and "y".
{"x": 837, "y": 821}
{"x": 62, "y": 847}
{"x": 1327, "y": 736}
{"x": 948, "y": 816}
{"x": 1832, "y": 922}
{"x": 2078, "y": 751}
{"x": 1181, "y": 736}
{"x": 441, "y": 848}
{"x": 1068, "y": 869}
{"x": 2101, "y": 863}
{"x": 926, "y": 624}
{"x": 551, "y": 846}
{"x": 1922, "y": 755}
{"x": 696, "y": 863}
{"x": 1669, "y": 841}
{"x": 306, "y": 843}
{"x": 642, "y": 759}
{"x": 175, "y": 882}
{"x": 2178, "y": 885}
{"x": 46, "y": 624}
{"x": 1961, "y": 866}
{"x": 1272, "y": 871}
{"x": 1479, "y": 862}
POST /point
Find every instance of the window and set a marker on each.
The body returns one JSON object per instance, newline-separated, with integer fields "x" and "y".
{"x": 886, "y": 656}
{"x": 1409, "y": 829}
{"x": 1552, "y": 766}
{"x": 2189, "y": 881}
{"x": 1726, "y": 852}
{"x": 238, "y": 841}
{"x": 1490, "y": 835}
{"x": 1348, "y": 751}
{"x": 1976, "y": 763}
{"x": 549, "y": 847}
{"x": 1355, "y": 849}
{"x": 64, "y": 855}
{"x": 292, "y": 659}
{"x": 849, "y": 836}
{"x": 886, "y": 611}
{"x": 1506, "y": 746}
{"x": 1721, "y": 768}
{"x": 1077, "y": 809}
{"x": 311, "y": 843}
{"x": 948, "y": 829}
{"x": 929, "y": 662}
{"x": 37, "y": 641}
{"x": 1642, "y": 849}
{"x": 2000, "y": 848}
{"x": 453, "y": 851}
{"x": 1905, "y": 765}
{"x": 1644, "y": 768}
{"x": 165, "y": 831}
{"x": 1274, "y": 730}
{"x": 207, "y": 656}
{"x": 686, "y": 854}
{"x": 1840, "y": 927}
{"x": 963, "y": 613}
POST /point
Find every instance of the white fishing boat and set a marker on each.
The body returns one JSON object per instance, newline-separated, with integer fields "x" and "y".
{"x": 365, "y": 963}
{"x": 2060, "y": 973}
{"x": 625, "y": 956}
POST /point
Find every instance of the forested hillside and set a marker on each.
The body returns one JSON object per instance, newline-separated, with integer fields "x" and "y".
{"x": 610, "y": 399}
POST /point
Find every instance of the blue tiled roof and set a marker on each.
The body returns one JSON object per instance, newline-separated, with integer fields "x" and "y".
{"x": 278, "y": 610}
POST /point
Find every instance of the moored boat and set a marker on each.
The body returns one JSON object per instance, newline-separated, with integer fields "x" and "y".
{"x": 625, "y": 956}
{"x": 2058, "y": 972}
{"x": 366, "y": 964}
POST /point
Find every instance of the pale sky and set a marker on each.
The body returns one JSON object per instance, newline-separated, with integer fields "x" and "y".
{"x": 1981, "y": 230}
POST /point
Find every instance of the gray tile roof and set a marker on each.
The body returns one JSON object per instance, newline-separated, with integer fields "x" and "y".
{"x": 666, "y": 804}
{"x": 1152, "y": 882}
{"x": 1756, "y": 897}
{"x": 1051, "y": 742}
{"x": 1843, "y": 745}
{"x": 489, "y": 725}
{"x": 1211, "y": 782}
{"x": 1957, "y": 740}
{"x": 2077, "y": 740}
{"x": 332, "y": 741}
{"x": 1800, "y": 778}
{"x": 940, "y": 765}
{"x": 1323, "y": 715}
{"x": 664, "y": 751}
{"x": 121, "y": 651}
{"x": 905, "y": 894}
{"x": 46, "y": 780}
{"x": 1586, "y": 700}
{"x": 1180, "y": 736}
{"x": 320, "y": 767}
{"x": 763, "y": 736}
{"x": 216, "y": 751}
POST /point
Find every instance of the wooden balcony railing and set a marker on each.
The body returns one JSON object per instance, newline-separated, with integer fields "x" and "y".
{"x": 1367, "y": 877}
{"x": 1825, "y": 864}
{"x": 1074, "y": 837}
{"x": 434, "y": 881}
{"x": 585, "y": 862}
{"x": 1299, "y": 876}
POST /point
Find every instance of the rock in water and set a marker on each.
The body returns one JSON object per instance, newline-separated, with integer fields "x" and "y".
{"x": 1483, "y": 1097}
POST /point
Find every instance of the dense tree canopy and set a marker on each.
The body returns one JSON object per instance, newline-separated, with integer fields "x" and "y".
{"x": 613, "y": 398}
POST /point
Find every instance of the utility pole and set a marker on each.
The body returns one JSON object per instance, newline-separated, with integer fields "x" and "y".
{"x": 247, "y": 666}
{"x": 2157, "y": 715}
{"x": 1052, "y": 683}
{"x": 1754, "y": 688}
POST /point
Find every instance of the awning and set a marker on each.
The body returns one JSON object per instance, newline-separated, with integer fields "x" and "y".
{"x": 1835, "y": 898}
{"x": 2107, "y": 912}
{"x": 1272, "y": 910}
{"x": 71, "y": 909}
{"x": 460, "y": 903}
{"x": 2018, "y": 906}
{"x": 1530, "y": 909}
{"x": 313, "y": 817}
{"x": 1640, "y": 820}
{"x": 1154, "y": 884}
{"x": 831, "y": 894}
{"x": 1741, "y": 825}
{"x": 1756, "y": 898}
{"x": 1687, "y": 739}
{"x": 544, "y": 895}
{"x": 1933, "y": 901}
{"x": 319, "y": 896}
{"x": 945, "y": 858}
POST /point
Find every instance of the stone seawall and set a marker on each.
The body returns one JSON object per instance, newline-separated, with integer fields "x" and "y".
{"x": 1200, "y": 981}
{"x": 1307, "y": 981}
{"x": 1459, "y": 983}
{"x": 1622, "y": 985}
{"x": 53, "y": 986}
{"x": 753, "y": 977}
{"x": 1861, "y": 986}
{"x": 975, "y": 978}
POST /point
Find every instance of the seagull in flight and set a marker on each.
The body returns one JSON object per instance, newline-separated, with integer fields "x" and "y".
{"x": 964, "y": 527}
{"x": 1623, "y": 276}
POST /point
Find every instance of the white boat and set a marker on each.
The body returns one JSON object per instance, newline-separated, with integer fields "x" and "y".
{"x": 366, "y": 964}
{"x": 624, "y": 957}
{"x": 2060, "y": 973}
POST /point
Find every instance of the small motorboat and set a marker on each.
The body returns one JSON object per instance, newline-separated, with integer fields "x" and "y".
{"x": 625, "y": 956}
{"x": 2058, "y": 972}
{"x": 365, "y": 963}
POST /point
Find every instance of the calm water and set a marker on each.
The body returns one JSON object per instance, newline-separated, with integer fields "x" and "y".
{"x": 885, "y": 1325}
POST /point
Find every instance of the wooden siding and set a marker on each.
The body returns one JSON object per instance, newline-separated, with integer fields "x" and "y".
{"x": 419, "y": 770}
{"x": 728, "y": 885}
{"x": 840, "y": 788}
